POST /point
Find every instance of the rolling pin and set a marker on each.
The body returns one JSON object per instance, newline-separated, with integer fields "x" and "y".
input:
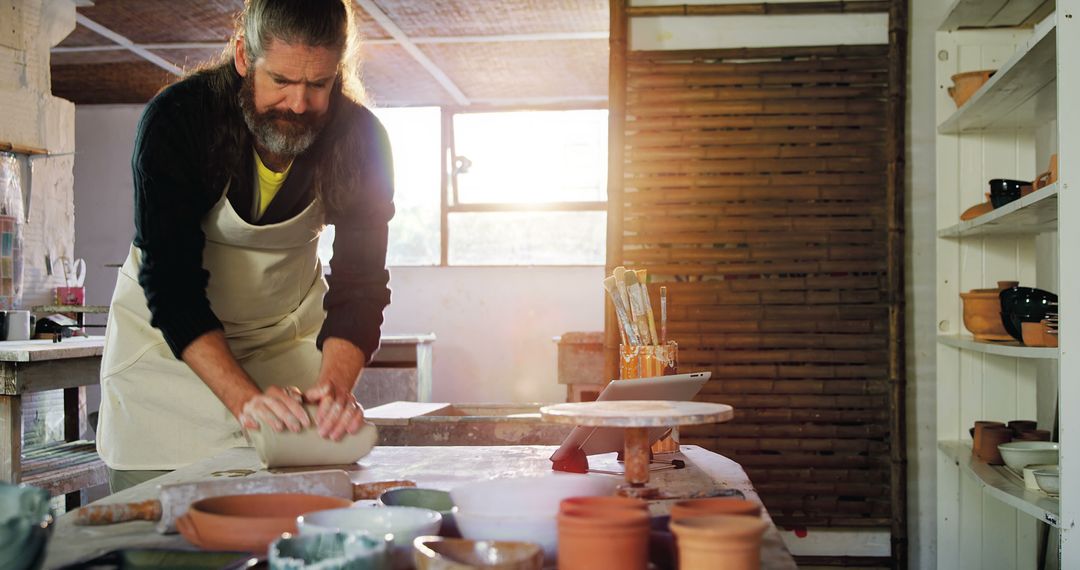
{"x": 174, "y": 499}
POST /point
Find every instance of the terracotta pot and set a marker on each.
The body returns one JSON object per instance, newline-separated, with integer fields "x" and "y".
{"x": 977, "y": 210}
{"x": 714, "y": 506}
{"x": 1032, "y": 333}
{"x": 1050, "y": 337}
{"x": 966, "y": 84}
{"x": 1020, "y": 426}
{"x": 249, "y": 523}
{"x": 1033, "y": 435}
{"x": 975, "y": 432}
{"x": 705, "y": 541}
{"x": 589, "y": 504}
{"x": 982, "y": 315}
{"x": 990, "y": 438}
{"x": 604, "y": 539}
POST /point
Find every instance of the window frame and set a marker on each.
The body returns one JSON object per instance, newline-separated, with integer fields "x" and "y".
{"x": 449, "y": 202}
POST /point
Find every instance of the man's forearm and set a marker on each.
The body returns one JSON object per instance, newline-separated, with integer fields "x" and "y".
{"x": 210, "y": 358}
{"x": 342, "y": 362}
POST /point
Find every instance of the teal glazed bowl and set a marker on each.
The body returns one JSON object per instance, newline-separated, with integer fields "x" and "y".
{"x": 25, "y": 526}
{"x": 329, "y": 551}
{"x": 433, "y": 499}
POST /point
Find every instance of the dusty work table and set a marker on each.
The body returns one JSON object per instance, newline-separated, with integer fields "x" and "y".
{"x": 36, "y": 366}
{"x": 428, "y": 466}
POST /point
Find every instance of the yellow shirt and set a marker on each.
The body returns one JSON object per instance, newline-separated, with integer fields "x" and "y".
{"x": 268, "y": 183}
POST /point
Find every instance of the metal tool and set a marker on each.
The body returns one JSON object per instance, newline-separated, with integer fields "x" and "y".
{"x": 174, "y": 499}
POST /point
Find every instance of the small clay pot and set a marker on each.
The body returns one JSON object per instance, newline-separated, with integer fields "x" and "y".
{"x": 733, "y": 539}
{"x": 966, "y": 84}
{"x": 982, "y": 315}
{"x": 989, "y": 439}
{"x": 604, "y": 539}
{"x": 714, "y": 506}
{"x": 1020, "y": 426}
{"x": 1033, "y": 435}
{"x": 1032, "y": 334}
{"x": 588, "y": 504}
{"x": 975, "y": 437}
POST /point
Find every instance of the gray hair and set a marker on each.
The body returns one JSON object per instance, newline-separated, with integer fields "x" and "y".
{"x": 317, "y": 23}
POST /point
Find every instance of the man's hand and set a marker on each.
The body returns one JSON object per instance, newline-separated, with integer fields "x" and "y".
{"x": 339, "y": 412}
{"x": 277, "y": 407}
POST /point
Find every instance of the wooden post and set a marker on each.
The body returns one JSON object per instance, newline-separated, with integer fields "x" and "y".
{"x": 616, "y": 132}
{"x": 10, "y": 438}
{"x": 895, "y": 152}
{"x": 636, "y": 456}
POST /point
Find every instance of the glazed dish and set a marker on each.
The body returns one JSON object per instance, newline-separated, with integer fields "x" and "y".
{"x": 437, "y": 553}
{"x": 404, "y": 523}
{"x": 1020, "y": 454}
{"x": 434, "y": 499}
{"x": 1024, "y": 305}
{"x": 355, "y": 551}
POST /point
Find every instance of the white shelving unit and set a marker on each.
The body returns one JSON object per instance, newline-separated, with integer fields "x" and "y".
{"x": 1007, "y": 129}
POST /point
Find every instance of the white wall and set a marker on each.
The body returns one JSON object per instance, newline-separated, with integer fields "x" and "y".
{"x": 494, "y": 324}
{"x": 920, "y": 279}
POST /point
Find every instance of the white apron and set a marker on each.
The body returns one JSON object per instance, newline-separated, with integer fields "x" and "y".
{"x": 266, "y": 286}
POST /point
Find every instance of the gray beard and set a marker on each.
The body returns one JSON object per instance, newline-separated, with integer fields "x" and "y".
{"x": 275, "y": 141}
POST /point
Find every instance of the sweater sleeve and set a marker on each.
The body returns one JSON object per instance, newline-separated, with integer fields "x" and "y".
{"x": 171, "y": 199}
{"x": 359, "y": 282}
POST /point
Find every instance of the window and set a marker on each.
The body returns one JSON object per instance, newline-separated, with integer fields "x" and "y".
{"x": 521, "y": 188}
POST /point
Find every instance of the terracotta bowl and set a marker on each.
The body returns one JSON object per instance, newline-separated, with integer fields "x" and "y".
{"x": 1032, "y": 334}
{"x": 966, "y": 84}
{"x": 437, "y": 553}
{"x": 982, "y": 315}
{"x": 248, "y": 523}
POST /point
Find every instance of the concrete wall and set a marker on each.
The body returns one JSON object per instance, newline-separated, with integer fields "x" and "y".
{"x": 32, "y": 117}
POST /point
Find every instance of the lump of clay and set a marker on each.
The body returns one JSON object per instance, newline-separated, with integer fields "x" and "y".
{"x": 307, "y": 447}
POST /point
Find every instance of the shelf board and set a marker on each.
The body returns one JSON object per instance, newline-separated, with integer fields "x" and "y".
{"x": 995, "y": 13}
{"x": 1022, "y": 94}
{"x": 1035, "y": 213}
{"x": 1013, "y": 349}
{"x": 1002, "y": 485}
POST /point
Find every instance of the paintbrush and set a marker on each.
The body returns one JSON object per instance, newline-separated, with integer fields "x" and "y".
{"x": 642, "y": 278}
{"x": 663, "y": 315}
{"x": 625, "y": 326}
{"x": 620, "y": 281}
{"x": 637, "y": 306}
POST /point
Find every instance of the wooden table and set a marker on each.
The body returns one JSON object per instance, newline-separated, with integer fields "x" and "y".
{"x": 436, "y": 467}
{"x": 36, "y": 366}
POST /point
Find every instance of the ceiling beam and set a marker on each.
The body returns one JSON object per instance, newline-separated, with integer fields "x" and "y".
{"x": 510, "y": 38}
{"x": 127, "y": 44}
{"x": 395, "y": 32}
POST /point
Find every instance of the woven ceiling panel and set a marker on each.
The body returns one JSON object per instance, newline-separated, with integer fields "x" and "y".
{"x": 82, "y": 36}
{"x": 437, "y": 18}
{"x": 394, "y": 79}
{"x": 518, "y": 70}
{"x": 94, "y": 58}
{"x": 166, "y": 21}
{"x": 114, "y": 83}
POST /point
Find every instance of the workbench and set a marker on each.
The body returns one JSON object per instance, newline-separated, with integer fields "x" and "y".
{"x": 433, "y": 467}
{"x": 36, "y": 366}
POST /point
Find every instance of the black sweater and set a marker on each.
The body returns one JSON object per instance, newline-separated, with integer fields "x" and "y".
{"x": 179, "y": 176}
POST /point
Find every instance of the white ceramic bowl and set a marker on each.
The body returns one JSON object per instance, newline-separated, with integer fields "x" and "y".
{"x": 1020, "y": 454}
{"x": 1029, "y": 475}
{"x": 404, "y": 523}
{"x": 529, "y": 495}
{"x": 542, "y": 529}
{"x": 1049, "y": 480}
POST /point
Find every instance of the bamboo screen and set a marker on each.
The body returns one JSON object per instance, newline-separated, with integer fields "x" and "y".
{"x": 755, "y": 190}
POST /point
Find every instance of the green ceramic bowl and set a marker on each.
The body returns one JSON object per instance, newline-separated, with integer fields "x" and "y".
{"x": 433, "y": 499}
{"x": 329, "y": 551}
{"x": 25, "y": 526}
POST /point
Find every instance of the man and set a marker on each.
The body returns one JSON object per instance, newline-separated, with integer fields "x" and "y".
{"x": 221, "y": 310}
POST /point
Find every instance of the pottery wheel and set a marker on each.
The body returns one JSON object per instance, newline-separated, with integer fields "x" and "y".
{"x": 637, "y": 416}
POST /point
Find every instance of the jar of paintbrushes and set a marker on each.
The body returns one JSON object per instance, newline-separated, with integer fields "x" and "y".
{"x": 644, "y": 351}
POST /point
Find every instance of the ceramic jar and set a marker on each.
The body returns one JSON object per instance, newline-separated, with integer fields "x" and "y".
{"x": 1020, "y": 426}
{"x": 991, "y": 437}
{"x": 603, "y": 539}
{"x": 719, "y": 542}
{"x": 976, "y": 433}
{"x": 714, "y": 506}
{"x": 1033, "y": 435}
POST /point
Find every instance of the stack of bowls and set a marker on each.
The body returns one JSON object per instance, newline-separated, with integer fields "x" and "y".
{"x": 434, "y": 499}
{"x": 1025, "y": 305}
{"x": 404, "y": 524}
{"x": 1020, "y": 454}
{"x": 522, "y": 508}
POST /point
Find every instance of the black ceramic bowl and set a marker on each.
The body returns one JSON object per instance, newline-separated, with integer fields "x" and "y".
{"x": 1004, "y": 190}
{"x": 1024, "y": 305}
